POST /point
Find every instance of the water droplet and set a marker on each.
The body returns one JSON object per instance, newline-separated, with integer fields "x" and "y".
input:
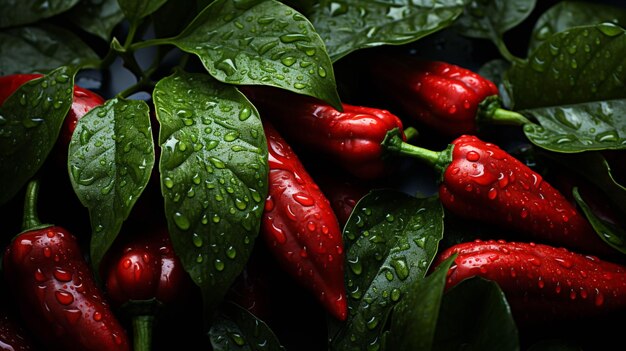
{"x": 608, "y": 136}
{"x": 196, "y": 239}
{"x": 219, "y": 265}
{"x": 62, "y": 275}
{"x": 231, "y": 252}
{"x": 303, "y": 199}
{"x": 293, "y": 37}
{"x": 610, "y": 29}
{"x": 401, "y": 267}
{"x": 472, "y": 156}
{"x": 231, "y": 136}
{"x": 372, "y": 323}
{"x": 182, "y": 222}
{"x": 64, "y": 297}
{"x": 355, "y": 266}
{"x": 538, "y": 64}
{"x": 237, "y": 339}
{"x": 227, "y": 66}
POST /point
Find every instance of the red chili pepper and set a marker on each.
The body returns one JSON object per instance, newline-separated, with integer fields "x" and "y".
{"x": 436, "y": 94}
{"x": 351, "y": 138}
{"x": 541, "y": 282}
{"x": 300, "y": 227}
{"x": 84, "y": 100}
{"x": 481, "y": 181}
{"x": 55, "y": 289}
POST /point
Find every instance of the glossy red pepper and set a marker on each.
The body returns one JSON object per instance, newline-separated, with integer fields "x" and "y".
{"x": 300, "y": 228}
{"x": 481, "y": 181}
{"x": 541, "y": 282}
{"x": 350, "y": 138}
{"x": 439, "y": 95}
{"x": 84, "y": 100}
{"x": 55, "y": 289}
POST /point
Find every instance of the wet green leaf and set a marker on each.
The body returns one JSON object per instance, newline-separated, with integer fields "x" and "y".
{"x": 213, "y": 170}
{"x": 611, "y": 233}
{"x": 30, "y": 122}
{"x": 567, "y": 14}
{"x": 349, "y": 25}
{"x": 390, "y": 241}
{"x": 14, "y": 13}
{"x": 98, "y": 17}
{"x": 581, "y": 127}
{"x": 490, "y": 19}
{"x": 135, "y": 10}
{"x": 475, "y": 315}
{"x": 235, "y": 328}
{"x": 580, "y": 65}
{"x": 110, "y": 160}
{"x": 261, "y": 42}
{"x": 414, "y": 318}
{"x": 41, "y": 49}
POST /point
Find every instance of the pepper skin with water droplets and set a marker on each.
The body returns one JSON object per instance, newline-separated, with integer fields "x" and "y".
{"x": 480, "y": 181}
{"x": 55, "y": 290}
{"x": 300, "y": 228}
{"x": 541, "y": 282}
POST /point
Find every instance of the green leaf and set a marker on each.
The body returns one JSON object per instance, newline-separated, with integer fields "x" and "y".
{"x": 609, "y": 232}
{"x": 583, "y": 64}
{"x": 490, "y": 19}
{"x": 475, "y": 315}
{"x": 581, "y": 127}
{"x": 14, "y": 13}
{"x": 111, "y": 156}
{"x": 30, "y": 122}
{"x": 261, "y": 42}
{"x": 414, "y": 318}
{"x": 41, "y": 49}
{"x": 567, "y": 14}
{"x": 98, "y": 17}
{"x": 235, "y": 328}
{"x": 349, "y": 25}
{"x": 135, "y": 10}
{"x": 390, "y": 241}
{"x": 214, "y": 172}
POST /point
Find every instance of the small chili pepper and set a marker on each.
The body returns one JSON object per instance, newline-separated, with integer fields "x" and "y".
{"x": 541, "y": 282}
{"x": 447, "y": 98}
{"x": 481, "y": 181}
{"x": 143, "y": 274}
{"x": 55, "y": 289}
{"x": 350, "y": 138}
{"x": 84, "y": 100}
{"x": 300, "y": 228}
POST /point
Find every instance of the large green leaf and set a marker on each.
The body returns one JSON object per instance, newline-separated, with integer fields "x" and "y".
{"x": 98, "y": 17}
{"x": 475, "y": 315}
{"x": 30, "y": 121}
{"x": 588, "y": 126}
{"x": 490, "y": 19}
{"x": 579, "y": 65}
{"x": 234, "y": 328}
{"x": 414, "y": 318}
{"x": 19, "y": 12}
{"x": 40, "y": 49}
{"x": 567, "y": 14}
{"x": 111, "y": 156}
{"x": 213, "y": 171}
{"x": 261, "y": 42}
{"x": 135, "y": 10}
{"x": 349, "y": 25}
{"x": 390, "y": 241}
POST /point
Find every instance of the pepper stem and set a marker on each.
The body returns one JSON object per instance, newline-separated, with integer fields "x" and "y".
{"x": 142, "y": 332}
{"x": 439, "y": 160}
{"x": 490, "y": 111}
{"x": 31, "y": 218}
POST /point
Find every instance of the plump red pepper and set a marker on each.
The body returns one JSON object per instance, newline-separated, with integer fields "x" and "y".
{"x": 145, "y": 273}
{"x": 55, "y": 289}
{"x": 439, "y": 95}
{"x": 481, "y": 181}
{"x": 541, "y": 282}
{"x": 84, "y": 100}
{"x": 350, "y": 138}
{"x": 300, "y": 228}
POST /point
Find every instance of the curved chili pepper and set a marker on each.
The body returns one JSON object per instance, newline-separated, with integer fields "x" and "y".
{"x": 55, "y": 289}
{"x": 447, "y": 98}
{"x": 84, "y": 100}
{"x": 541, "y": 282}
{"x": 350, "y": 138}
{"x": 300, "y": 228}
{"x": 145, "y": 273}
{"x": 481, "y": 181}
